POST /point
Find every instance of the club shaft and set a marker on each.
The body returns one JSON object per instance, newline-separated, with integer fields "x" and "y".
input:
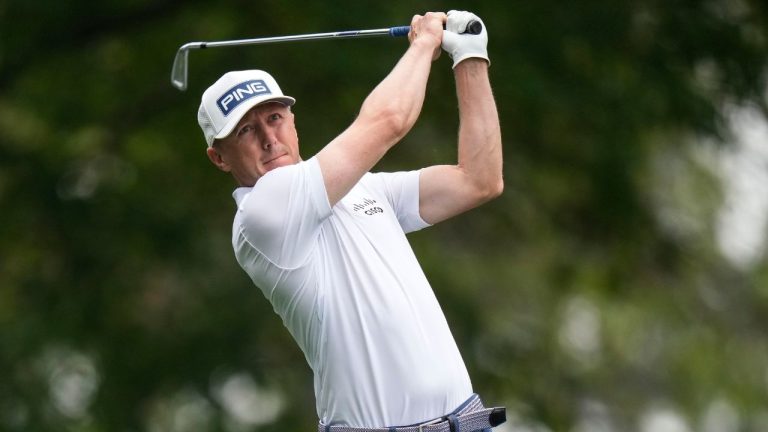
{"x": 301, "y": 37}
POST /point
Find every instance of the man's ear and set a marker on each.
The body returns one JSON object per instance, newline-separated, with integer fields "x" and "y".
{"x": 216, "y": 159}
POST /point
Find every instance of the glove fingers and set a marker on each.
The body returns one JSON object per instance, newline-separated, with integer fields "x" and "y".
{"x": 450, "y": 41}
{"x": 459, "y": 20}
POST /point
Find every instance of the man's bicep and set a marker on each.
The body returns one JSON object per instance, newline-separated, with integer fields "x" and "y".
{"x": 445, "y": 191}
{"x": 340, "y": 170}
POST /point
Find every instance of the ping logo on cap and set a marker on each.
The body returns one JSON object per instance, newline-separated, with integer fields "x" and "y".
{"x": 240, "y": 93}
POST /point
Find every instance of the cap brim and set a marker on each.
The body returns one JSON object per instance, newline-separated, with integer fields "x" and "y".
{"x": 243, "y": 109}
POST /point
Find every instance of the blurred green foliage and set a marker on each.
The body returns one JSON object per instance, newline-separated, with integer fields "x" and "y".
{"x": 591, "y": 296}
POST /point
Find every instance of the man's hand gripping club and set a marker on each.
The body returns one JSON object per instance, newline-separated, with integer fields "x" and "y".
{"x": 461, "y": 45}
{"x": 428, "y": 28}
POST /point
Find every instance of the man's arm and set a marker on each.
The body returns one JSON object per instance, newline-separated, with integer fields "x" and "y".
{"x": 387, "y": 114}
{"x": 448, "y": 190}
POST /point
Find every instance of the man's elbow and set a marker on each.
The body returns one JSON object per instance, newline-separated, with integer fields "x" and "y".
{"x": 496, "y": 188}
{"x": 489, "y": 190}
{"x": 395, "y": 123}
{"x": 387, "y": 122}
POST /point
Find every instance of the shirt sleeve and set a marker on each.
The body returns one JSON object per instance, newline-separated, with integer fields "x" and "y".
{"x": 282, "y": 215}
{"x": 402, "y": 191}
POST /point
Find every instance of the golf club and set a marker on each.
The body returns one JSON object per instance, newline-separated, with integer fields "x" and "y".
{"x": 181, "y": 61}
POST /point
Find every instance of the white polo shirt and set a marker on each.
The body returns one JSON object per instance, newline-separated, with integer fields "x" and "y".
{"x": 351, "y": 292}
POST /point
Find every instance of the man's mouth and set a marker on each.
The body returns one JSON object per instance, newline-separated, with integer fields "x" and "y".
{"x": 269, "y": 161}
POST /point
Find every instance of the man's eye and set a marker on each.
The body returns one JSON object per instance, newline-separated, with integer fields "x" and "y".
{"x": 243, "y": 130}
{"x": 275, "y": 116}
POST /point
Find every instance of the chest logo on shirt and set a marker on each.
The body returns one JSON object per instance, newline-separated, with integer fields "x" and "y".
{"x": 367, "y": 206}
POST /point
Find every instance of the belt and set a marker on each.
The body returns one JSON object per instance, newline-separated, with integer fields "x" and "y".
{"x": 471, "y": 416}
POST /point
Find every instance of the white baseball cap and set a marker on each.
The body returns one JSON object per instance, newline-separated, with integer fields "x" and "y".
{"x": 228, "y": 99}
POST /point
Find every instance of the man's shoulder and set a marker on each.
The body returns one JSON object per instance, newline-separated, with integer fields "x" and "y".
{"x": 275, "y": 201}
{"x": 285, "y": 174}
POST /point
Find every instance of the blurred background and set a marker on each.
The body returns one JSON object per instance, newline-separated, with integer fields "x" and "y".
{"x": 619, "y": 284}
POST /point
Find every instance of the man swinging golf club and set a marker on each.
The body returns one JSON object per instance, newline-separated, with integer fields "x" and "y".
{"x": 325, "y": 241}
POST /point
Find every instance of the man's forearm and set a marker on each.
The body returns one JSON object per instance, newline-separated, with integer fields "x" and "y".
{"x": 480, "y": 154}
{"x": 401, "y": 94}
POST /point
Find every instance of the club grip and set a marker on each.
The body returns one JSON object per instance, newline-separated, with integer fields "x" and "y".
{"x": 474, "y": 27}
{"x": 399, "y": 31}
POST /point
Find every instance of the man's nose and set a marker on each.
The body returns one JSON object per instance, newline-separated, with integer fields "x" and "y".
{"x": 268, "y": 138}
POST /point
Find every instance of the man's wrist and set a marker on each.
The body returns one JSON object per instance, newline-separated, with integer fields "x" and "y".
{"x": 472, "y": 64}
{"x": 424, "y": 43}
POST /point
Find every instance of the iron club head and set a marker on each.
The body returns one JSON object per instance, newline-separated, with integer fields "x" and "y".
{"x": 179, "y": 70}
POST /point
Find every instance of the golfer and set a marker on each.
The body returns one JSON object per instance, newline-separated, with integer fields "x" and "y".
{"x": 325, "y": 239}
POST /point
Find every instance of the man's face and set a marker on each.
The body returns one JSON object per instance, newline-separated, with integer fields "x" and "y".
{"x": 264, "y": 139}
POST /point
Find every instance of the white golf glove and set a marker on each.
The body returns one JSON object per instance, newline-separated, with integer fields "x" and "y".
{"x": 461, "y": 46}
